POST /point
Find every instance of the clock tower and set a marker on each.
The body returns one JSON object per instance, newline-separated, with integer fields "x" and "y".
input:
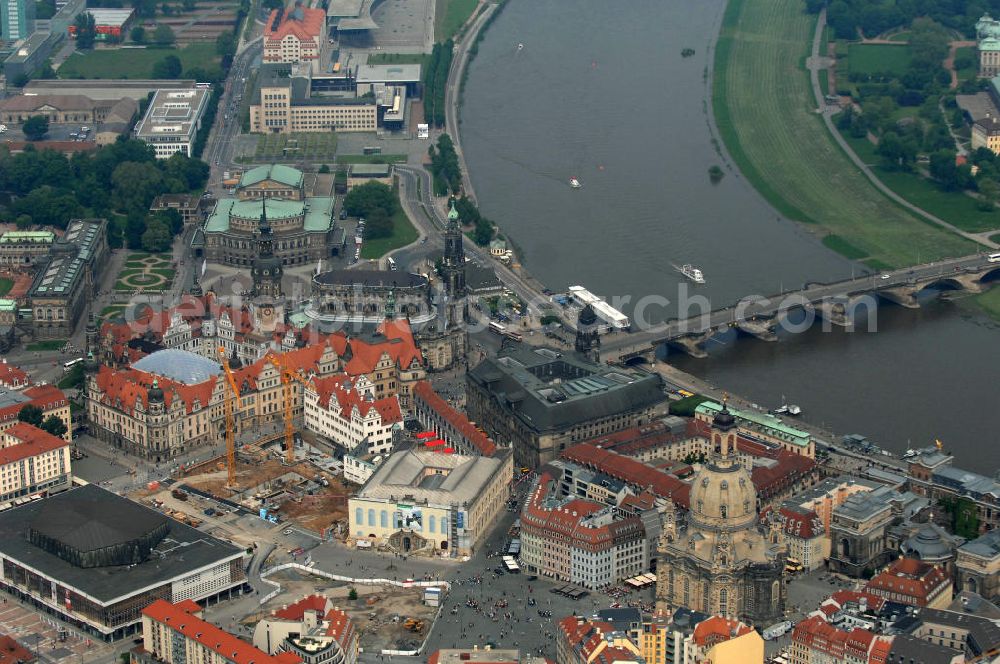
{"x": 267, "y": 269}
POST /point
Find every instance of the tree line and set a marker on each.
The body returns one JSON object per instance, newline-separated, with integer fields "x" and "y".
{"x": 436, "y": 82}
{"x": 117, "y": 182}
{"x": 873, "y": 17}
{"x": 376, "y": 202}
{"x": 447, "y": 176}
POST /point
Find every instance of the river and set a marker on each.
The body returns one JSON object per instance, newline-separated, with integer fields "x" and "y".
{"x": 602, "y": 93}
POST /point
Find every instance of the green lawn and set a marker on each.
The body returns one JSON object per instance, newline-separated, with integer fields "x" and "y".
{"x": 371, "y": 159}
{"x": 51, "y": 344}
{"x": 403, "y": 233}
{"x": 878, "y": 59}
{"x": 112, "y": 311}
{"x": 5, "y": 285}
{"x": 966, "y": 73}
{"x": 319, "y": 146}
{"x": 134, "y": 63}
{"x": 952, "y": 206}
{"x": 989, "y": 302}
{"x": 995, "y": 238}
{"x": 399, "y": 59}
{"x": 863, "y": 148}
{"x": 843, "y": 247}
{"x": 765, "y": 111}
{"x": 450, "y": 15}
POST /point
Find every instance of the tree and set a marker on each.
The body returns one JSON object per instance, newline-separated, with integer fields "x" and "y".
{"x": 168, "y": 67}
{"x": 138, "y": 34}
{"x": 135, "y": 185}
{"x": 30, "y": 414}
{"x": 157, "y": 237}
{"x": 352, "y": 594}
{"x": 364, "y": 199}
{"x": 48, "y": 206}
{"x": 54, "y": 425}
{"x": 989, "y": 193}
{"x": 225, "y": 44}
{"x": 35, "y": 127}
{"x": 86, "y": 30}
{"x": 164, "y": 36}
{"x": 23, "y": 222}
{"x": 896, "y": 153}
{"x": 325, "y": 168}
{"x": 378, "y": 224}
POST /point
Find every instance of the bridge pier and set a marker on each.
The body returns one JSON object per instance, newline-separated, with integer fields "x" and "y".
{"x": 904, "y": 296}
{"x": 838, "y": 312}
{"x": 693, "y": 345}
{"x": 760, "y": 329}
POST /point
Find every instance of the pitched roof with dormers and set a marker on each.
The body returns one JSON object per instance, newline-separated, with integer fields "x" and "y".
{"x": 181, "y": 619}
{"x": 28, "y": 441}
{"x": 718, "y": 629}
{"x": 339, "y": 390}
{"x": 12, "y": 376}
{"x": 910, "y": 581}
{"x": 457, "y": 420}
{"x": 630, "y": 471}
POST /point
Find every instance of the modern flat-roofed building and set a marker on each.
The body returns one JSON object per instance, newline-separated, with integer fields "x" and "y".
{"x": 95, "y": 560}
{"x": 172, "y": 121}
{"x": 188, "y": 206}
{"x": 432, "y": 502}
{"x": 540, "y": 401}
{"x": 314, "y": 629}
{"x": 109, "y": 24}
{"x": 284, "y": 103}
{"x": 103, "y": 89}
{"x": 68, "y": 279}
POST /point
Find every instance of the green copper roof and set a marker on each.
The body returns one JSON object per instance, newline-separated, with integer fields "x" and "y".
{"x": 277, "y": 172}
{"x": 22, "y": 236}
{"x": 317, "y": 212}
{"x": 452, "y": 213}
{"x": 218, "y": 221}
{"x": 989, "y": 44}
{"x": 771, "y": 424}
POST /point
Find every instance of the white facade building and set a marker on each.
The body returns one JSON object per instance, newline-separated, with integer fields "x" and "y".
{"x": 346, "y": 412}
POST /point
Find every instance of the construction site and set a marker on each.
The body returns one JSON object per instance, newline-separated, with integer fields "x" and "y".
{"x": 387, "y": 617}
{"x": 287, "y": 477}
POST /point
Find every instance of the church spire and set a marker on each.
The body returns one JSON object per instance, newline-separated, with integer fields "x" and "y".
{"x": 454, "y": 256}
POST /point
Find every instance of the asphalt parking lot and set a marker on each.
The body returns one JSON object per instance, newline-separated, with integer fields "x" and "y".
{"x": 57, "y": 132}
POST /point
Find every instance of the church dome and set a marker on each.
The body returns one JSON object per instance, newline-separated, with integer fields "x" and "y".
{"x": 723, "y": 497}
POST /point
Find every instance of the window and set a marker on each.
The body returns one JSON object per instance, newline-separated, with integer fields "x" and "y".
{"x": 432, "y": 524}
{"x": 371, "y": 517}
{"x": 384, "y": 519}
{"x": 359, "y": 516}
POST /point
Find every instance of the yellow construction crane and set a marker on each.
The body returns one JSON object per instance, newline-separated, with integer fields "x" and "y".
{"x": 230, "y": 427}
{"x": 287, "y": 376}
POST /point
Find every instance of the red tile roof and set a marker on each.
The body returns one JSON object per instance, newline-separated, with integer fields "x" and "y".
{"x": 815, "y": 634}
{"x": 718, "y": 629}
{"x": 29, "y": 441}
{"x": 457, "y": 420}
{"x": 12, "y": 652}
{"x": 339, "y": 625}
{"x": 348, "y": 398}
{"x": 12, "y": 376}
{"x": 124, "y": 389}
{"x": 630, "y": 471}
{"x": 308, "y": 29}
{"x": 910, "y": 581}
{"x": 566, "y": 521}
{"x": 46, "y": 397}
{"x": 804, "y": 524}
{"x": 181, "y": 619}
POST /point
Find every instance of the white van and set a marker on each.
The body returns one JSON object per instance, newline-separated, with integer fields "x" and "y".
{"x": 994, "y": 258}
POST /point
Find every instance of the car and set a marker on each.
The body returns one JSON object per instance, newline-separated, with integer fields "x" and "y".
{"x": 286, "y": 531}
{"x": 343, "y": 215}
{"x": 885, "y": 275}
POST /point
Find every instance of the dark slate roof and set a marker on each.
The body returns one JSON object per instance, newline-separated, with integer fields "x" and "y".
{"x": 182, "y": 551}
{"x": 87, "y": 524}
{"x": 378, "y": 278}
{"x": 549, "y": 390}
{"x": 908, "y": 649}
{"x": 984, "y": 634}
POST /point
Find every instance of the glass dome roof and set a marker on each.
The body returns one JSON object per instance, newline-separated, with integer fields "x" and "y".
{"x": 180, "y": 365}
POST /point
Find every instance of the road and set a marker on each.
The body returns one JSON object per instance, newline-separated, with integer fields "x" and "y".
{"x": 417, "y": 197}
{"x": 219, "y": 150}
{"x": 453, "y": 93}
{"x": 811, "y": 293}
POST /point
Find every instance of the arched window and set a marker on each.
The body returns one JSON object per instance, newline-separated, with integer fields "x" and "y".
{"x": 723, "y": 511}
{"x": 432, "y": 524}
{"x": 384, "y": 519}
{"x": 359, "y": 516}
{"x": 687, "y": 591}
{"x": 723, "y": 602}
{"x": 371, "y": 517}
